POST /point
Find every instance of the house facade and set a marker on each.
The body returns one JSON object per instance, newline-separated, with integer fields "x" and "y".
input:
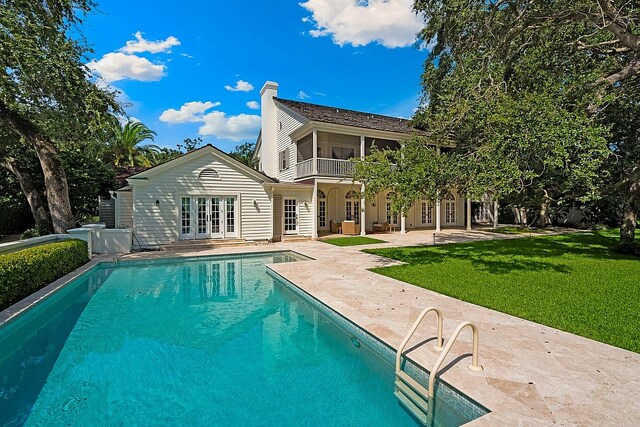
{"x": 306, "y": 144}
{"x": 300, "y": 184}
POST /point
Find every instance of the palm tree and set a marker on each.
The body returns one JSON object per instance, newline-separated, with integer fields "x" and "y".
{"x": 124, "y": 147}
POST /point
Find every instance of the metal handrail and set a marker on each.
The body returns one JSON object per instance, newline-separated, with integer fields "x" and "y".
{"x": 413, "y": 330}
{"x": 475, "y": 366}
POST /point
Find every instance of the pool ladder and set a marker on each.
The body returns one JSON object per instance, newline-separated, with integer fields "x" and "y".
{"x": 413, "y": 395}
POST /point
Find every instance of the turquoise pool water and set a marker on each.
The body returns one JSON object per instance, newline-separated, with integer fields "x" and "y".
{"x": 206, "y": 341}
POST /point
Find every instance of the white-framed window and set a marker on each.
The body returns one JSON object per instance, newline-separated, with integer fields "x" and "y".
{"x": 283, "y": 159}
{"x": 322, "y": 209}
{"x": 352, "y": 207}
{"x": 450, "y": 210}
{"x": 426, "y": 212}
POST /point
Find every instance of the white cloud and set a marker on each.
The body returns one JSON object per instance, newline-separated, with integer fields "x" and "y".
{"x": 214, "y": 123}
{"x": 254, "y": 105}
{"x": 140, "y": 44}
{"x": 116, "y": 66}
{"x": 189, "y": 112}
{"x": 235, "y": 128}
{"x": 302, "y": 95}
{"x": 391, "y": 23}
{"x": 241, "y": 86}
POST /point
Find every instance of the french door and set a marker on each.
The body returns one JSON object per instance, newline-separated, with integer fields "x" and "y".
{"x": 208, "y": 217}
{"x": 290, "y": 216}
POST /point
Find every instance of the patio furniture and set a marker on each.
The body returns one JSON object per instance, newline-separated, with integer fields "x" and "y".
{"x": 376, "y": 226}
{"x": 335, "y": 227}
{"x": 350, "y": 228}
{"x": 392, "y": 227}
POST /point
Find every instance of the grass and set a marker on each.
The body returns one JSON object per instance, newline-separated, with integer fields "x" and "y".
{"x": 352, "y": 241}
{"x": 514, "y": 230}
{"x": 573, "y": 282}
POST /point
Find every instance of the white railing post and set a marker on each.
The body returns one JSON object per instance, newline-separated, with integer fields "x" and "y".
{"x": 315, "y": 152}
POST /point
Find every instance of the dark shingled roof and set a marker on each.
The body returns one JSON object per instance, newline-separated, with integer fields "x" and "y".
{"x": 340, "y": 116}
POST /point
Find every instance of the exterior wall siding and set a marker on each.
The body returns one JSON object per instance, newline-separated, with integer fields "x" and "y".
{"x": 124, "y": 209}
{"x": 289, "y": 124}
{"x": 158, "y": 225}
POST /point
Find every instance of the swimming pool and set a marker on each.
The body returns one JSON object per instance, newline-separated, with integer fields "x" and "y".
{"x": 198, "y": 341}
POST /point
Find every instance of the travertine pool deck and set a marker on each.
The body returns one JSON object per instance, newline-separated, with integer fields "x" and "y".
{"x": 533, "y": 374}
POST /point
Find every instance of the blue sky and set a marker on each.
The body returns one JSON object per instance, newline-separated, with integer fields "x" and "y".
{"x": 179, "y": 63}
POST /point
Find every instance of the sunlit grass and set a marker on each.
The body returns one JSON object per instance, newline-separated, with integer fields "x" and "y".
{"x": 573, "y": 282}
{"x": 352, "y": 241}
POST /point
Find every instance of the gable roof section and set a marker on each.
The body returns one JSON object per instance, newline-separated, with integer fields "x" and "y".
{"x": 185, "y": 158}
{"x": 341, "y": 116}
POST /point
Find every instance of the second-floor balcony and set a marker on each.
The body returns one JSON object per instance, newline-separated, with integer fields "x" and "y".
{"x": 324, "y": 167}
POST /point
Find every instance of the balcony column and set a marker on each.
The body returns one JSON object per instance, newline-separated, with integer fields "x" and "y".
{"x": 315, "y": 152}
{"x": 437, "y": 215}
{"x": 314, "y": 204}
{"x": 468, "y": 214}
{"x": 363, "y": 213}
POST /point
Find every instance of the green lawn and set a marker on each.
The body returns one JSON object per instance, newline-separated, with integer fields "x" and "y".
{"x": 572, "y": 282}
{"x": 515, "y": 230}
{"x": 352, "y": 241}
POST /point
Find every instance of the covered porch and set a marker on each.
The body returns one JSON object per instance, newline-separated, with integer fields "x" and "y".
{"x": 337, "y": 204}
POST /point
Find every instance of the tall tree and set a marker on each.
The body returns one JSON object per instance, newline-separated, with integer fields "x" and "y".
{"x": 125, "y": 149}
{"x": 12, "y": 158}
{"x": 575, "y": 56}
{"x": 45, "y": 92}
{"x": 243, "y": 153}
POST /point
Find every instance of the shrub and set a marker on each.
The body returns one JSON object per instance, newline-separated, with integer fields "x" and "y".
{"x": 29, "y": 233}
{"x": 24, "y": 272}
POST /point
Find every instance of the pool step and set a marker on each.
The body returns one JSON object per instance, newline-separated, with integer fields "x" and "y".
{"x": 413, "y": 396}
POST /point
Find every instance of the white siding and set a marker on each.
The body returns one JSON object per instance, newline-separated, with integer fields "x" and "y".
{"x": 157, "y": 225}
{"x": 124, "y": 209}
{"x": 305, "y": 209}
{"x": 289, "y": 124}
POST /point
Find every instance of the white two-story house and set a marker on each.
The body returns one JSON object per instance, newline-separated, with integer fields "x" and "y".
{"x": 300, "y": 185}
{"x": 307, "y": 148}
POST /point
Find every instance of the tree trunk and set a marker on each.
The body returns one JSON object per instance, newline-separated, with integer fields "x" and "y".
{"x": 35, "y": 200}
{"x": 544, "y": 220}
{"x": 55, "y": 179}
{"x": 628, "y": 226}
{"x": 630, "y": 214}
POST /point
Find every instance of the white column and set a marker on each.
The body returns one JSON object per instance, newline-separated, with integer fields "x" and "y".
{"x": 314, "y": 207}
{"x": 437, "y": 215}
{"x": 273, "y": 214}
{"x": 468, "y": 214}
{"x": 403, "y": 223}
{"x": 315, "y": 152}
{"x": 363, "y": 213}
{"x": 495, "y": 214}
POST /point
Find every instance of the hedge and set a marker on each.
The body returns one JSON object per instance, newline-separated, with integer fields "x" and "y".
{"x": 24, "y": 272}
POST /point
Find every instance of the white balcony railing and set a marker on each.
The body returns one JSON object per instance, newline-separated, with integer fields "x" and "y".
{"x": 325, "y": 167}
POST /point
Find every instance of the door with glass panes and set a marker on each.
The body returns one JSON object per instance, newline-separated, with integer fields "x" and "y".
{"x": 290, "y": 215}
{"x": 209, "y": 217}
